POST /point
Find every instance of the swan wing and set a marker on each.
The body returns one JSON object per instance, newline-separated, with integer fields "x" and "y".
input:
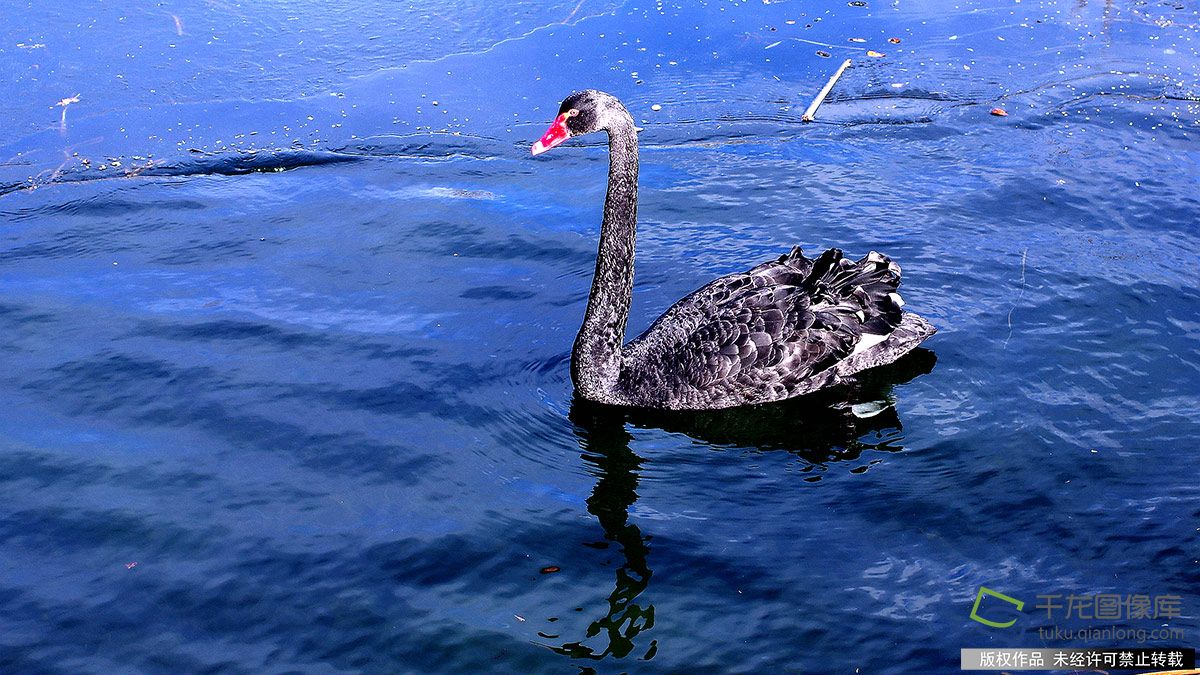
{"x": 772, "y": 332}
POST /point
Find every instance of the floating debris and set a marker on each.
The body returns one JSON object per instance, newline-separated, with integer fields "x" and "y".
{"x": 874, "y": 54}
{"x": 811, "y": 112}
{"x": 894, "y": 40}
{"x": 130, "y": 565}
{"x": 857, "y": 3}
{"x": 822, "y": 54}
{"x": 858, "y": 39}
{"x": 550, "y": 569}
{"x": 656, "y": 107}
{"x": 999, "y": 112}
{"x": 774, "y": 44}
{"x": 64, "y": 103}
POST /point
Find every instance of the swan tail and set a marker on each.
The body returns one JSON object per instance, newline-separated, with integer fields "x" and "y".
{"x": 912, "y": 331}
{"x": 795, "y": 259}
{"x": 865, "y": 288}
{"x": 791, "y": 268}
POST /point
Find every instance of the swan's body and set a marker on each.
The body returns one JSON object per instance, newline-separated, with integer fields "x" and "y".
{"x": 784, "y": 328}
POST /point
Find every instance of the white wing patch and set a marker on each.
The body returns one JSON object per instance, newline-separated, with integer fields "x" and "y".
{"x": 867, "y": 341}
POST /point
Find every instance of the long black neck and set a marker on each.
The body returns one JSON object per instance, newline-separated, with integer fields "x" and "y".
{"x": 596, "y": 359}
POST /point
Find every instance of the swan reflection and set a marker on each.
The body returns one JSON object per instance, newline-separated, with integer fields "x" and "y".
{"x": 832, "y": 426}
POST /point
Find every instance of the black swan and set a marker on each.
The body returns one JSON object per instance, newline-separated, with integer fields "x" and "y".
{"x": 784, "y": 328}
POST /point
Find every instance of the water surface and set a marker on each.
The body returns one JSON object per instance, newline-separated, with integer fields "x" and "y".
{"x": 287, "y": 311}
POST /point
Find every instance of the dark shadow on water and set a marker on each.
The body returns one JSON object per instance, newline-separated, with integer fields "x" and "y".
{"x": 822, "y": 428}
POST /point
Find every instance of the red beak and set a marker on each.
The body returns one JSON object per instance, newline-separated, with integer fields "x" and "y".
{"x": 555, "y": 135}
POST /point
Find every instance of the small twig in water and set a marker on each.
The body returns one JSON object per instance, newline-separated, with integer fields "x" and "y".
{"x": 830, "y": 46}
{"x": 449, "y": 21}
{"x": 1018, "y": 300}
{"x": 572, "y": 14}
{"x": 58, "y": 171}
{"x": 812, "y": 108}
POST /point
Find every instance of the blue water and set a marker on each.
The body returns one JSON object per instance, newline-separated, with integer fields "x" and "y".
{"x": 284, "y": 343}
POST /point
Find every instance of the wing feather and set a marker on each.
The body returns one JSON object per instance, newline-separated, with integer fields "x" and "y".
{"x": 766, "y": 333}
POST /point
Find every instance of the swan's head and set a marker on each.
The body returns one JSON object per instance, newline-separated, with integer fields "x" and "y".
{"x": 582, "y": 113}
